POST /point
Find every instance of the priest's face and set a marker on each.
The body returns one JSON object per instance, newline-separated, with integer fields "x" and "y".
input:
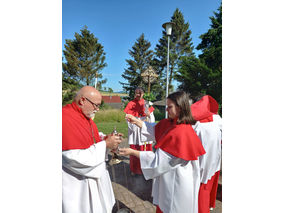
{"x": 91, "y": 106}
{"x": 138, "y": 94}
{"x": 173, "y": 109}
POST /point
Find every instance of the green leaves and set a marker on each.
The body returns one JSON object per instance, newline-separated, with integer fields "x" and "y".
{"x": 149, "y": 96}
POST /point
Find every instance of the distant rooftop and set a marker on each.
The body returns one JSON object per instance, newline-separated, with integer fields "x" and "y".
{"x": 111, "y": 99}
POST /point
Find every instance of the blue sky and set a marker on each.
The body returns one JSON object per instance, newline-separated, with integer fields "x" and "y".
{"x": 118, "y": 23}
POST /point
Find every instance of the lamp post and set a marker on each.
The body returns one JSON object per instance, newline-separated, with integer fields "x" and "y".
{"x": 168, "y": 28}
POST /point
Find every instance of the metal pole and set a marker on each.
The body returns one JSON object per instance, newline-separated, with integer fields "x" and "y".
{"x": 148, "y": 83}
{"x": 96, "y": 81}
{"x": 167, "y": 88}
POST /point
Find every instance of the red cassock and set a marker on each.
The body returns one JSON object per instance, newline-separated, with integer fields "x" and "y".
{"x": 78, "y": 131}
{"x": 137, "y": 109}
{"x": 203, "y": 111}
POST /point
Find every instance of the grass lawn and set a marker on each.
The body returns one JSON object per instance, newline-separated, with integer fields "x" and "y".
{"x": 107, "y": 127}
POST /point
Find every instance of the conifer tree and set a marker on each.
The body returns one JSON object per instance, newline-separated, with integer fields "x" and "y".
{"x": 141, "y": 58}
{"x": 180, "y": 45}
{"x": 211, "y": 47}
{"x": 69, "y": 89}
{"x": 204, "y": 74}
{"x": 85, "y": 58}
{"x": 193, "y": 75}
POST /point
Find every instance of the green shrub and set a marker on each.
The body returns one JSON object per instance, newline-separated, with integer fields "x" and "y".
{"x": 159, "y": 114}
{"x": 149, "y": 96}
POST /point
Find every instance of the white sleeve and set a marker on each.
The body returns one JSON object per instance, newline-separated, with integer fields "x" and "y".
{"x": 148, "y": 131}
{"x": 152, "y": 117}
{"x": 217, "y": 119}
{"x": 86, "y": 162}
{"x": 102, "y": 136}
{"x": 158, "y": 163}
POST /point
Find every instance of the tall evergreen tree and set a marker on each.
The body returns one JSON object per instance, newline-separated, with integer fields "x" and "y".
{"x": 204, "y": 74}
{"x": 69, "y": 89}
{"x": 211, "y": 47}
{"x": 85, "y": 58}
{"x": 141, "y": 59}
{"x": 180, "y": 45}
{"x": 193, "y": 75}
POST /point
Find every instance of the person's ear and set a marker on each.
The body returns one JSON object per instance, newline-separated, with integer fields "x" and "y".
{"x": 81, "y": 101}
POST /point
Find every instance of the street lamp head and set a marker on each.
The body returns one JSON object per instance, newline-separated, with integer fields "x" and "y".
{"x": 168, "y": 27}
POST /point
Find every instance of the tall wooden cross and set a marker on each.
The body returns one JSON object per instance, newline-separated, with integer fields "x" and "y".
{"x": 149, "y": 76}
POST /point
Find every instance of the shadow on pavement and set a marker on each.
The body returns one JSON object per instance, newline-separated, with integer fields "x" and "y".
{"x": 219, "y": 193}
{"x": 136, "y": 184}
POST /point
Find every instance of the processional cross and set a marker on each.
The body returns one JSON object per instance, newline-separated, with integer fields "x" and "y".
{"x": 149, "y": 76}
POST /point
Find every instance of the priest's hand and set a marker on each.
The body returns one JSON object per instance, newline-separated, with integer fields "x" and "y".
{"x": 112, "y": 141}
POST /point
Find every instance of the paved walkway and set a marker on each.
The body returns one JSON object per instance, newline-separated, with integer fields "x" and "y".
{"x": 133, "y": 193}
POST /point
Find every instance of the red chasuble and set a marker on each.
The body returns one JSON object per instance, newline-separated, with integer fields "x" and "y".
{"x": 180, "y": 140}
{"x": 78, "y": 131}
{"x": 204, "y": 109}
{"x": 137, "y": 108}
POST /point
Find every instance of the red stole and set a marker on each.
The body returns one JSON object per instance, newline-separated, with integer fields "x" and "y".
{"x": 135, "y": 108}
{"x": 204, "y": 109}
{"x": 77, "y": 129}
{"x": 179, "y": 140}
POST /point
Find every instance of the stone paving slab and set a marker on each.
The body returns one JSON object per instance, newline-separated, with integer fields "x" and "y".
{"x": 129, "y": 200}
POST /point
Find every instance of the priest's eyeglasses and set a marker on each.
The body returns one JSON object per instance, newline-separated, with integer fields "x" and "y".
{"x": 97, "y": 106}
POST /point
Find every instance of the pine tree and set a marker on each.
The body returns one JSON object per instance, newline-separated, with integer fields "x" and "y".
{"x": 204, "y": 74}
{"x": 211, "y": 47}
{"x": 180, "y": 45}
{"x": 141, "y": 58}
{"x": 193, "y": 75}
{"x": 85, "y": 58}
{"x": 69, "y": 89}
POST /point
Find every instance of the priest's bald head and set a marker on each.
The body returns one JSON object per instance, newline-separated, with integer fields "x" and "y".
{"x": 89, "y": 100}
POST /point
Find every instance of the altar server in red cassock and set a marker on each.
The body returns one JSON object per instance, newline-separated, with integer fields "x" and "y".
{"x": 174, "y": 166}
{"x": 138, "y": 108}
{"x": 86, "y": 185}
{"x": 209, "y": 130}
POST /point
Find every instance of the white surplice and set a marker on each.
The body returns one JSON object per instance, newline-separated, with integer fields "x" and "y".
{"x": 134, "y": 134}
{"x": 210, "y": 134}
{"x": 176, "y": 181}
{"x": 86, "y": 185}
